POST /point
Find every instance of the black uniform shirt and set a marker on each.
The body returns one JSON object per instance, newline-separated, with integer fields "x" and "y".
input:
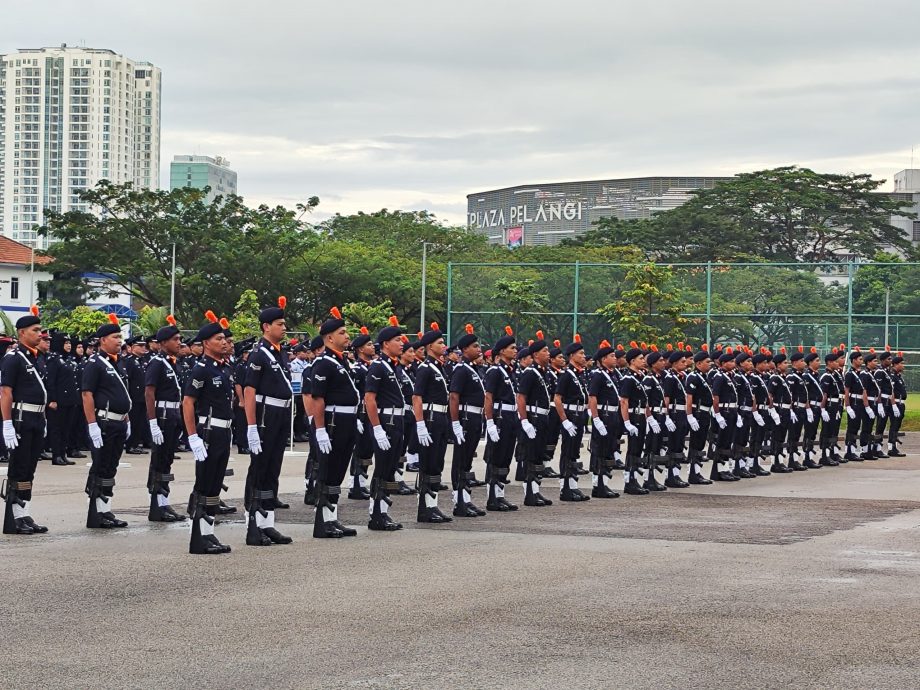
{"x": 724, "y": 387}
{"x": 602, "y": 387}
{"x": 779, "y": 390}
{"x": 812, "y": 387}
{"x": 743, "y": 388}
{"x": 632, "y": 390}
{"x": 571, "y": 387}
{"x": 107, "y": 380}
{"x": 500, "y": 384}
{"x": 853, "y": 381}
{"x": 209, "y": 383}
{"x": 532, "y": 386}
{"x": 467, "y": 384}
{"x": 381, "y": 379}
{"x": 674, "y": 390}
{"x": 759, "y": 389}
{"x": 883, "y": 379}
{"x": 63, "y": 384}
{"x": 431, "y": 383}
{"x": 406, "y": 384}
{"x": 654, "y": 390}
{"x": 897, "y": 385}
{"x": 830, "y": 386}
{"x": 23, "y": 372}
{"x": 268, "y": 372}
{"x": 331, "y": 380}
{"x": 796, "y": 387}
{"x": 162, "y": 375}
{"x": 869, "y": 383}
{"x": 698, "y": 387}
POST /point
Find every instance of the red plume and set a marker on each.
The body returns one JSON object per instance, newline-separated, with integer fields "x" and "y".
{"x": 888, "y": 348}
{"x": 508, "y": 330}
{"x": 404, "y": 338}
{"x": 364, "y": 330}
{"x": 688, "y": 348}
{"x": 393, "y": 321}
{"x": 210, "y": 316}
{"x": 282, "y": 301}
{"x": 872, "y": 350}
{"x": 336, "y": 314}
{"x": 842, "y": 347}
{"x": 292, "y": 342}
{"x": 171, "y": 320}
{"x": 654, "y": 348}
{"x": 814, "y": 350}
{"x": 728, "y": 350}
{"x": 113, "y": 319}
{"x": 539, "y": 335}
{"x": 705, "y": 347}
{"x": 633, "y": 344}
{"x": 680, "y": 345}
{"x": 557, "y": 343}
{"x": 834, "y": 350}
{"x": 643, "y": 346}
{"x": 671, "y": 347}
{"x": 900, "y": 354}
{"x": 856, "y": 347}
{"x": 620, "y": 347}
{"x": 468, "y": 328}
{"x": 419, "y": 335}
{"x": 578, "y": 337}
{"x": 34, "y": 310}
{"x": 434, "y": 326}
{"x": 224, "y": 323}
{"x": 783, "y": 349}
{"x": 604, "y": 343}
{"x": 801, "y": 348}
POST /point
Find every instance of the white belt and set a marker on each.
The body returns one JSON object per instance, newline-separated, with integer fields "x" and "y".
{"x": 704, "y": 408}
{"x": 168, "y": 405}
{"x": 505, "y": 407}
{"x": 608, "y": 408}
{"x": 657, "y": 410}
{"x": 407, "y": 408}
{"x": 273, "y": 402}
{"x": 885, "y": 396}
{"x": 574, "y": 408}
{"x": 393, "y": 411}
{"x": 745, "y": 408}
{"x": 342, "y": 409}
{"x": 28, "y": 407}
{"x": 433, "y": 407}
{"x": 216, "y": 422}
{"x": 472, "y": 409}
{"x": 783, "y": 406}
{"x": 800, "y": 405}
{"x": 871, "y": 399}
{"x": 636, "y": 410}
{"x": 728, "y": 406}
{"x": 112, "y": 416}
{"x": 542, "y": 411}
{"x": 833, "y": 400}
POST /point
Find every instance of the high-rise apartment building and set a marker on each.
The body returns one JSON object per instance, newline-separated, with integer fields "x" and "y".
{"x": 203, "y": 171}
{"x": 70, "y": 117}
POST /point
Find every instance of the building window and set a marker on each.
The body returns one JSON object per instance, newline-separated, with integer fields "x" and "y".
{"x": 917, "y": 231}
{"x": 14, "y": 288}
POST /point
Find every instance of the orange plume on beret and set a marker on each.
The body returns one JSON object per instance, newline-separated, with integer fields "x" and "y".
{"x": 887, "y": 348}
{"x": 508, "y": 330}
{"x": 434, "y": 326}
{"x": 872, "y": 350}
{"x": 364, "y": 330}
{"x": 728, "y": 350}
{"x": 171, "y": 320}
{"x": 688, "y": 348}
{"x": 814, "y": 350}
{"x": 900, "y": 354}
{"x": 604, "y": 343}
{"x": 643, "y": 346}
{"x": 680, "y": 345}
{"x": 783, "y": 349}
{"x": 856, "y": 347}
{"x": 539, "y": 335}
{"x": 704, "y": 347}
{"x": 112, "y": 319}
{"x": 393, "y": 321}
{"x": 282, "y": 301}
{"x": 224, "y": 323}
{"x": 801, "y": 348}
{"x": 654, "y": 348}
{"x": 210, "y": 316}
{"x": 578, "y": 337}
{"x": 557, "y": 343}
{"x": 293, "y": 341}
{"x": 671, "y": 347}
{"x": 419, "y": 335}
{"x": 335, "y": 313}
{"x": 530, "y": 342}
{"x": 468, "y": 328}
{"x": 33, "y": 310}
{"x": 404, "y": 338}
{"x": 633, "y": 344}
{"x": 834, "y": 350}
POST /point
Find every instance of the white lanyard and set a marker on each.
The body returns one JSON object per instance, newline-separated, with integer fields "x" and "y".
{"x": 272, "y": 360}
{"x": 347, "y": 374}
{"x": 170, "y": 373}
{"x": 37, "y": 375}
{"x": 581, "y": 388}
{"x": 105, "y": 360}
{"x": 476, "y": 377}
{"x": 435, "y": 369}
{"x": 607, "y": 376}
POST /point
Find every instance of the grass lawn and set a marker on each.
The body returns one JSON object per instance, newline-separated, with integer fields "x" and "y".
{"x": 912, "y": 413}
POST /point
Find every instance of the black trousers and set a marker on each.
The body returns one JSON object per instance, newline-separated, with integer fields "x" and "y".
{"x": 698, "y": 438}
{"x": 830, "y": 430}
{"x": 431, "y": 457}
{"x": 462, "y": 464}
{"x": 265, "y": 468}
{"x": 725, "y": 438}
{"x": 655, "y": 442}
{"x": 780, "y": 434}
{"x": 239, "y": 428}
{"x": 603, "y": 447}
{"x": 76, "y": 436}
{"x": 895, "y": 425}
{"x": 795, "y": 429}
{"x": 571, "y": 445}
{"x": 810, "y": 429}
{"x": 30, "y": 430}
{"x": 140, "y": 430}
{"x": 757, "y": 436}
{"x": 209, "y": 475}
{"x": 300, "y": 416}
{"x": 385, "y": 461}
{"x": 105, "y": 460}
{"x": 499, "y": 453}
{"x": 533, "y": 450}
{"x": 161, "y": 456}
{"x": 742, "y": 441}
{"x": 677, "y": 438}
{"x": 553, "y": 427}
{"x": 332, "y": 467}
{"x": 635, "y": 444}
{"x": 865, "y": 426}
{"x": 60, "y": 423}
{"x": 882, "y": 422}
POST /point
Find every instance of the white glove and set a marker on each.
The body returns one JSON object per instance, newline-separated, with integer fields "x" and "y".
{"x": 881, "y": 410}
{"x": 361, "y": 427}
{"x": 252, "y": 438}
{"x": 528, "y": 428}
{"x": 323, "y": 442}
{"x": 422, "y": 432}
{"x": 825, "y": 415}
{"x": 458, "y": 432}
{"x": 652, "y": 423}
{"x": 569, "y": 427}
{"x": 869, "y": 412}
{"x": 599, "y": 425}
{"x": 669, "y": 424}
{"x": 896, "y": 410}
{"x": 492, "y": 430}
{"x": 631, "y": 428}
{"x": 95, "y": 435}
{"x": 851, "y": 413}
{"x": 693, "y": 422}
{"x": 380, "y": 436}
{"x": 720, "y": 420}
{"x": 9, "y": 435}
{"x": 774, "y": 415}
{"x": 793, "y": 417}
{"x": 739, "y": 421}
{"x": 156, "y": 435}
{"x": 809, "y": 415}
{"x": 758, "y": 418}
{"x": 198, "y": 449}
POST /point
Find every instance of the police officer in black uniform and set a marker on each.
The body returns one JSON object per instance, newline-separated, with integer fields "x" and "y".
{"x": 746, "y": 406}
{"x": 832, "y": 404}
{"x": 781, "y": 396}
{"x": 699, "y": 414}
{"x": 725, "y": 415}
{"x": 874, "y": 407}
{"x": 604, "y": 410}
{"x": 163, "y": 399}
{"x": 385, "y": 409}
{"x": 813, "y": 411}
{"x": 134, "y": 367}
{"x": 334, "y": 429}
{"x": 553, "y": 423}
{"x": 571, "y": 405}
{"x": 886, "y": 390}
{"x": 675, "y": 398}
{"x": 208, "y": 419}
{"x": 898, "y": 397}
{"x": 363, "y": 453}
{"x": 63, "y": 397}
{"x": 761, "y": 411}
{"x": 656, "y": 437}
{"x": 106, "y": 404}
{"x": 407, "y": 384}
{"x": 502, "y": 421}
{"x": 634, "y": 411}
{"x": 267, "y": 399}
{"x": 800, "y": 407}
{"x": 467, "y": 398}
{"x": 23, "y": 398}
{"x": 533, "y": 408}
{"x": 316, "y": 349}
{"x": 429, "y": 405}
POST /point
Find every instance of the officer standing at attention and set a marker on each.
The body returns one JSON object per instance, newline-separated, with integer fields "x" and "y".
{"x": 634, "y": 412}
{"x": 699, "y": 414}
{"x": 134, "y": 366}
{"x": 831, "y": 410}
{"x": 429, "y": 405}
{"x": 675, "y": 400}
{"x": 385, "y": 409}
{"x": 533, "y": 405}
{"x": 106, "y": 404}
{"x": 208, "y": 417}
{"x": 299, "y": 364}
{"x": 63, "y": 397}
{"x": 886, "y": 389}
{"x": 725, "y": 414}
{"x": 603, "y": 408}
{"x": 363, "y": 454}
{"x": 163, "y": 398}
{"x": 874, "y": 408}
{"x": 571, "y": 403}
{"x": 467, "y": 398}
{"x": 334, "y": 409}
{"x": 656, "y": 435}
{"x": 898, "y": 397}
{"x": 781, "y": 396}
{"x": 813, "y": 396}
{"x": 23, "y": 397}
{"x": 796, "y": 383}
{"x": 267, "y": 398}
{"x": 502, "y": 421}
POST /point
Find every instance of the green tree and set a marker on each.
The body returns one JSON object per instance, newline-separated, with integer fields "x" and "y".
{"x": 374, "y": 316}
{"x": 522, "y": 303}
{"x": 9, "y": 328}
{"x": 245, "y": 320}
{"x": 81, "y": 321}
{"x": 150, "y": 320}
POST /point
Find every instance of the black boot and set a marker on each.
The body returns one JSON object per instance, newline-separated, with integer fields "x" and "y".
{"x": 380, "y": 520}
{"x": 603, "y": 490}
{"x": 254, "y": 535}
{"x": 428, "y": 510}
{"x": 497, "y": 501}
{"x": 632, "y": 486}
{"x": 652, "y": 483}
{"x": 61, "y": 461}
{"x": 673, "y": 480}
{"x": 199, "y": 542}
{"x": 532, "y": 495}
{"x": 696, "y": 474}
{"x": 11, "y": 524}
{"x": 461, "y": 507}
{"x": 324, "y": 522}
{"x": 742, "y": 472}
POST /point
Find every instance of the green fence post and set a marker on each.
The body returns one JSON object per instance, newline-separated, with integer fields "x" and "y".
{"x": 449, "y": 295}
{"x": 708, "y": 304}
{"x": 897, "y": 336}
{"x": 575, "y": 302}
{"x": 850, "y": 305}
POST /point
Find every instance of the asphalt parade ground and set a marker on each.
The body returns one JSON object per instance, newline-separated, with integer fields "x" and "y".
{"x": 805, "y": 580}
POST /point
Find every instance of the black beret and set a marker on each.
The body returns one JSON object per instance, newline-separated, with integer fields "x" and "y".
{"x": 796, "y": 356}
{"x": 726, "y": 357}
{"x": 741, "y": 357}
{"x": 830, "y": 356}
{"x": 430, "y": 337}
{"x": 676, "y": 356}
{"x": 811, "y": 357}
{"x": 523, "y": 352}
{"x": 208, "y": 331}
{"x": 466, "y": 340}
{"x": 869, "y": 357}
{"x": 361, "y": 341}
{"x": 555, "y": 352}
{"x": 299, "y": 347}
{"x": 317, "y": 343}
{"x": 603, "y": 352}
{"x": 27, "y": 321}
{"x": 632, "y": 353}
{"x": 107, "y": 329}
{"x": 760, "y": 357}
{"x": 653, "y": 357}
{"x": 502, "y": 343}
{"x": 538, "y": 345}
{"x": 701, "y": 355}
{"x": 779, "y": 358}
{"x": 884, "y": 355}
{"x": 841, "y": 355}
{"x": 166, "y": 333}
{"x": 388, "y": 333}
{"x": 854, "y": 354}
{"x": 271, "y": 314}
{"x": 573, "y": 348}
{"x": 897, "y": 359}
{"x": 331, "y": 326}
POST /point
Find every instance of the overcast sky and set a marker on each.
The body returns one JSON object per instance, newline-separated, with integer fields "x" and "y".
{"x": 411, "y": 104}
